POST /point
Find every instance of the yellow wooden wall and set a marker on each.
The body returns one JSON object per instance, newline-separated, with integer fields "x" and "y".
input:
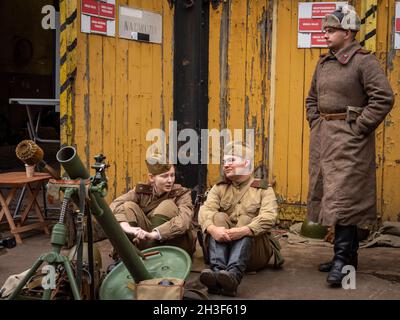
{"x": 257, "y": 79}
{"x": 123, "y": 89}
{"x": 239, "y": 78}
{"x": 293, "y": 69}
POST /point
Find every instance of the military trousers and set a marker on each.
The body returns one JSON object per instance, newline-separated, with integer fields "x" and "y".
{"x": 261, "y": 250}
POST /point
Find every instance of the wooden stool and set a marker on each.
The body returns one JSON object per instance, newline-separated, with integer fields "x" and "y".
{"x": 17, "y": 180}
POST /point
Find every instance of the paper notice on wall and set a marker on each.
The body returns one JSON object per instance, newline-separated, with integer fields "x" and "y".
{"x": 310, "y": 23}
{"x": 397, "y": 27}
{"x": 98, "y": 16}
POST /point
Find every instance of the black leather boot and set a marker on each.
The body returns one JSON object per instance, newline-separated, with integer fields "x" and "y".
{"x": 326, "y": 267}
{"x": 344, "y": 238}
{"x": 218, "y": 255}
{"x": 230, "y": 278}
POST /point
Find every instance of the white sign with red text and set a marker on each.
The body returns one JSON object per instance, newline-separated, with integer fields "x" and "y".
{"x": 310, "y": 33}
{"x": 98, "y": 16}
{"x": 397, "y": 27}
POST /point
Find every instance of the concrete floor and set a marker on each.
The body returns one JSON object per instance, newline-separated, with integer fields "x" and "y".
{"x": 378, "y": 276}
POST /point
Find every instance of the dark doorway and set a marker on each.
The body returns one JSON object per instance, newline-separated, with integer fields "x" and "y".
{"x": 191, "y": 31}
{"x": 27, "y": 70}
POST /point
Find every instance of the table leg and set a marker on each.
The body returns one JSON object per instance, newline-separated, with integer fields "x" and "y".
{"x": 36, "y": 206}
{"x": 10, "y": 196}
{"x": 31, "y": 199}
{"x": 7, "y": 212}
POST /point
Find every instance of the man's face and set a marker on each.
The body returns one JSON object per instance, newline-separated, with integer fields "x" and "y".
{"x": 336, "y": 38}
{"x": 235, "y": 166}
{"x": 163, "y": 182}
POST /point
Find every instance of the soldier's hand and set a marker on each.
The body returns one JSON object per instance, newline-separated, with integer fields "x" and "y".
{"x": 142, "y": 235}
{"x": 238, "y": 233}
{"x": 219, "y": 233}
{"x": 152, "y": 235}
{"x": 129, "y": 229}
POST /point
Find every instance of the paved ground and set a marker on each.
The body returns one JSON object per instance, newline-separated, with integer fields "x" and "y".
{"x": 378, "y": 276}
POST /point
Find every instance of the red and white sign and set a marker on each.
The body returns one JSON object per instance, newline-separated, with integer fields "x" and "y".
{"x": 90, "y": 7}
{"x": 320, "y": 10}
{"x": 310, "y": 15}
{"x": 310, "y": 25}
{"x": 318, "y": 40}
{"x": 106, "y": 10}
{"x": 397, "y": 27}
{"x": 98, "y": 25}
{"x": 98, "y": 17}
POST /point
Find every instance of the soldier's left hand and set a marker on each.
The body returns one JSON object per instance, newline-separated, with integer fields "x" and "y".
{"x": 141, "y": 235}
{"x": 152, "y": 235}
{"x": 238, "y": 233}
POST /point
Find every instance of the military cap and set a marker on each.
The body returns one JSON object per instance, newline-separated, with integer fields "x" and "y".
{"x": 345, "y": 18}
{"x": 156, "y": 164}
{"x": 239, "y": 149}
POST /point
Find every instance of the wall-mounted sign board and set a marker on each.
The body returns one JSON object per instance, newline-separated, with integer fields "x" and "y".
{"x": 140, "y": 25}
{"x": 98, "y": 16}
{"x": 397, "y": 27}
{"x": 310, "y": 23}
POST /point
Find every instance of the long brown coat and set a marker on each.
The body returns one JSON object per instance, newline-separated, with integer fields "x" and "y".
{"x": 342, "y": 179}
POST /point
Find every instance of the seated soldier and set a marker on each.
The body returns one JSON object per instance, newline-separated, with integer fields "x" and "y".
{"x": 237, "y": 218}
{"x": 159, "y": 212}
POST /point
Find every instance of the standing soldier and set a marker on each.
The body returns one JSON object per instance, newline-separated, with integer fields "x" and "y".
{"x": 349, "y": 97}
{"x": 159, "y": 212}
{"x": 237, "y": 218}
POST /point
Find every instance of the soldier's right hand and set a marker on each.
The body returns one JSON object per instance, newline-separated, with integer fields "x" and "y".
{"x": 219, "y": 233}
{"x": 129, "y": 229}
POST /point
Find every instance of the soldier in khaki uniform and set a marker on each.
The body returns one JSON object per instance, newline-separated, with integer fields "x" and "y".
{"x": 159, "y": 212}
{"x": 348, "y": 99}
{"x": 237, "y": 218}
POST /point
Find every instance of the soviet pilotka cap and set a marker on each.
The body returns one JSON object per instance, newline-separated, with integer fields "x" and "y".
{"x": 156, "y": 164}
{"x": 345, "y": 18}
{"x": 239, "y": 149}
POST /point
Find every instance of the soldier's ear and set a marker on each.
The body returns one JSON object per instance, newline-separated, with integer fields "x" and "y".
{"x": 151, "y": 177}
{"x": 349, "y": 34}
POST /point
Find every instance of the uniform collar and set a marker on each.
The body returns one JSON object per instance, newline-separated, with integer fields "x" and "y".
{"x": 173, "y": 191}
{"x": 343, "y": 55}
{"x": 240, "y": 185}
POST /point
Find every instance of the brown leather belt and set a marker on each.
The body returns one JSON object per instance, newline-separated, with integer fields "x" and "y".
{"x": 333, "y": 116}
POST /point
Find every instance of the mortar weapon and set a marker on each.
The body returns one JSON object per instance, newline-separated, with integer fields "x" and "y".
{"x": 163, "y": 261}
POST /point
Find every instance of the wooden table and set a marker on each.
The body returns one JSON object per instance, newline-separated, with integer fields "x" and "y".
{"x": 33, "y": 185}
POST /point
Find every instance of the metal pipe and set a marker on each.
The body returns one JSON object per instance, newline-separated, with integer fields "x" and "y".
{"x": 72, "y": 164}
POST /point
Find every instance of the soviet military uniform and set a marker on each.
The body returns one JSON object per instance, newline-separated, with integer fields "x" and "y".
{"x": 255, "y": 207}
{"x": 348, "y": 99}
{"x": 342, "y": 184}
{"x": 170, "y": 214}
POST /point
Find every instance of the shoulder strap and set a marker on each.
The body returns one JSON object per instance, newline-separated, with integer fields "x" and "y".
{"x": 260, "y": 184}
{"x": 363, "y": 51}
{"x": 144, "y": 188}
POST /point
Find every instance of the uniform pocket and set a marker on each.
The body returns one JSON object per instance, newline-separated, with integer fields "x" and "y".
{"x": 355, "y": 129}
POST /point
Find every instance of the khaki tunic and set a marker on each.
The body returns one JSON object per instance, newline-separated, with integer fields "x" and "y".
{"x": 257, "y": 209}
{"x": 141, "y": 205}
{"x": 342, "y": 178}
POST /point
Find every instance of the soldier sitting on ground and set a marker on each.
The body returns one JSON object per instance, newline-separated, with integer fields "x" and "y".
{"x": 158, "y": 212}
{"x": 237, "y": 218}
